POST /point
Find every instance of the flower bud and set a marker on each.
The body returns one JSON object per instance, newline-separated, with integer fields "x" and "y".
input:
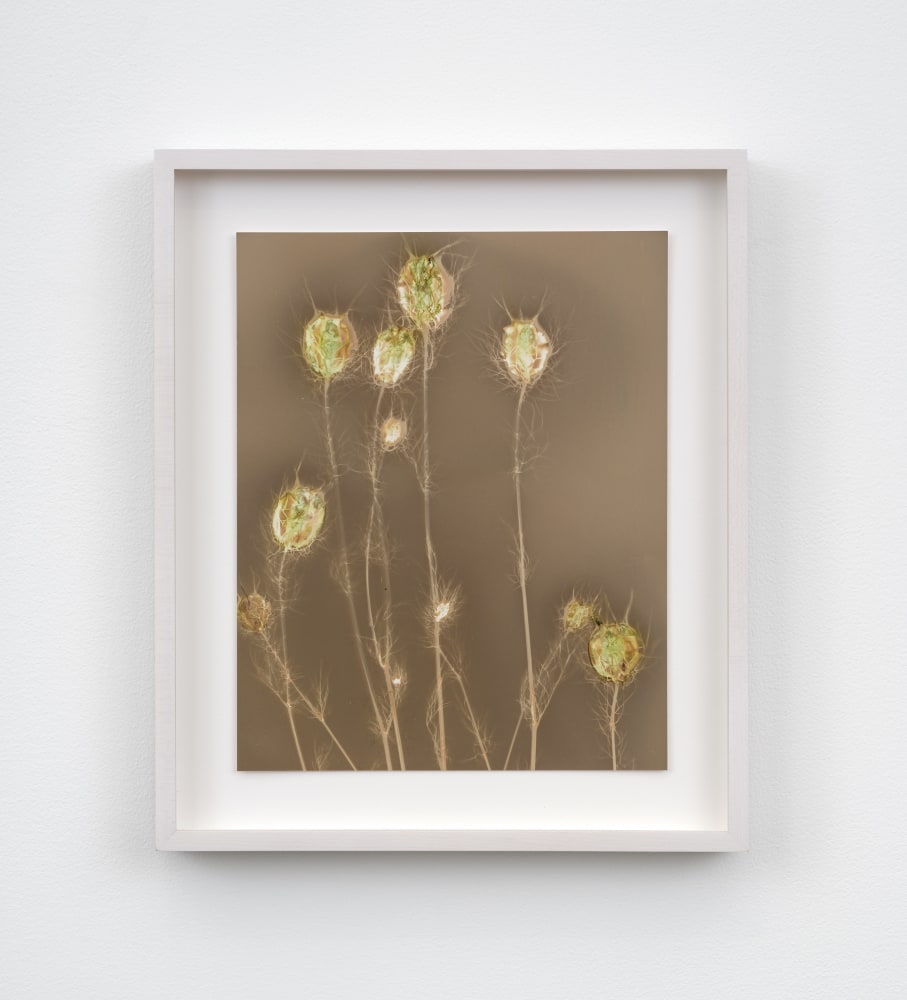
{"x": 615, "y": 651}
{"x": 253, "y": 612}
{"x": 393, "y": 354}
{"x": 298, "y": 517}
{"x": 526, "y": 349}
{"x": 328, "y": 343}
{"x": 425, "y": 290}
{"x": 392, "y": 433}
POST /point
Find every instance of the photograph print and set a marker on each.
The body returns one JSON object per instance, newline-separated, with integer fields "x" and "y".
{"x": 451, "y": 501}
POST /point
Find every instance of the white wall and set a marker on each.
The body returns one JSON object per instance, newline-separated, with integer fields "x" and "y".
{"x": 817, "y": 92}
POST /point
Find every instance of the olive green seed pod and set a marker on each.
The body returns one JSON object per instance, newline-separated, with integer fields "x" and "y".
{"x": 425, "y": 291}
{"x": 393, "y": 354}
{"x": 298, "y": 517}
{"x": 526, "y": 350}
{"x": 328, "y": 343}
{"x": 615, "y": 651}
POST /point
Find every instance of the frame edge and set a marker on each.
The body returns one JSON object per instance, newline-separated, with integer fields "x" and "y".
{"x": 168, "y": 836}
{"x": 164, "y": 503}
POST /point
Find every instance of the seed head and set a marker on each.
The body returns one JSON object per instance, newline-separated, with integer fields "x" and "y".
{"x": 393, "y": 354}
{"x": 425, "y": 290}
{"x": 526, "y": 350}
{"x": 392, "y": 433}
{"x": 298, "y": 517}
{"x": 578, "y": 615}
{"x": 615, "y": 651}
{"x": 441, "y": 611}
{"x": 253, "y": 612}
{"x": 328, "y": 343}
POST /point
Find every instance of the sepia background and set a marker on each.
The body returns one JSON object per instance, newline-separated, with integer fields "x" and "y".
{"x": 594, "y": 493}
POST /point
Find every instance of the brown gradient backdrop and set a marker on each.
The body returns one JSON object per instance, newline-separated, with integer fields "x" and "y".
{"x": 594, "y": 497}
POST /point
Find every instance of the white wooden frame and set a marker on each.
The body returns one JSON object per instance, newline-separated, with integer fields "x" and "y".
{"x": 730, "y": 166}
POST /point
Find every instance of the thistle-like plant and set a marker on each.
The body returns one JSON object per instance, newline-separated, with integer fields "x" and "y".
{"x": 296, "y": 522}
{"x": 525, "y": 352}
{"x": 614, "y": 654}
{"x": 328, "y": 346}
{"x": 254, "y": 615}
{"x": 425, "y": 292}
{"x": 547, "y": 678}
{"x": 392, "y": 358}
{"x": 479, "y": 735}
{"x": 255, "y": 618}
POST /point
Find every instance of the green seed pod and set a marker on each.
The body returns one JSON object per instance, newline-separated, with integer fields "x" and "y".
{"x": 425, "y": 290}
{"x": 253, "y": 612}
{"x": 526, "y": 350}
{"x": 298, "y": 517}
{"x": 328, "y": 343}
{"x": 578, "y": 615}
{"x": 615, "y": 651}
{"x": 393, "y": 354}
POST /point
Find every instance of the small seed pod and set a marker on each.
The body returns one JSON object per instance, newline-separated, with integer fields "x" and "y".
{"x": 446, "y": 606}
{"x": 393, "y": 354}
{"x": 425, "y": 291}
{"x": 298, "y": 517}
{"x": 328, "y": 343}
{"x": 526, "y": 350}
{"x": 615, "y": 651}
{"x": 253, "y": 612}
{"x": 398, "y": 680}
{"x": 578, "y": 615}
{"x": 392, "y": 433}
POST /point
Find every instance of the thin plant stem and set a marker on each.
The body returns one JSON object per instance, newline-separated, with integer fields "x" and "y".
{"x": 613, "y": 726}
{"x": 553, "y": 655}
{"x": 281, "y": 603}
{"x": 432, "y": 564}
{"x": 295, "y": 734}
{"x": 474, "y": 725}
{"x": 316, "y": 712}
{"x": 281, "y": 609}
{"x": 516, "y": 730}
{"x": 533, "y": 706}
{"x": 347, "y": 581}
{"x": 381, "y": 654}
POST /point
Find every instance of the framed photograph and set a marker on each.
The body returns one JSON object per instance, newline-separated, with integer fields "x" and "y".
{"x": 450, "y": 499}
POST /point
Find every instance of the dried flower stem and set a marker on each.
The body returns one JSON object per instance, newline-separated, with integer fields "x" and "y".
{"x": 281, "y": 617}
{"x": 316, "y": 711}
{"x": 612, "y": 722}
{"x": 281, "y": 600}
{"x": 295, "y": 734}
{"x": 347, "y": 581}
{"x": 516, "y": 730}
{"x": 517, "y": 471}
{"x": 473, "y": 722}
{"x": 375, "y": 518}
{"x": 430, "y": 555}
{"x": 550, "y": 674}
